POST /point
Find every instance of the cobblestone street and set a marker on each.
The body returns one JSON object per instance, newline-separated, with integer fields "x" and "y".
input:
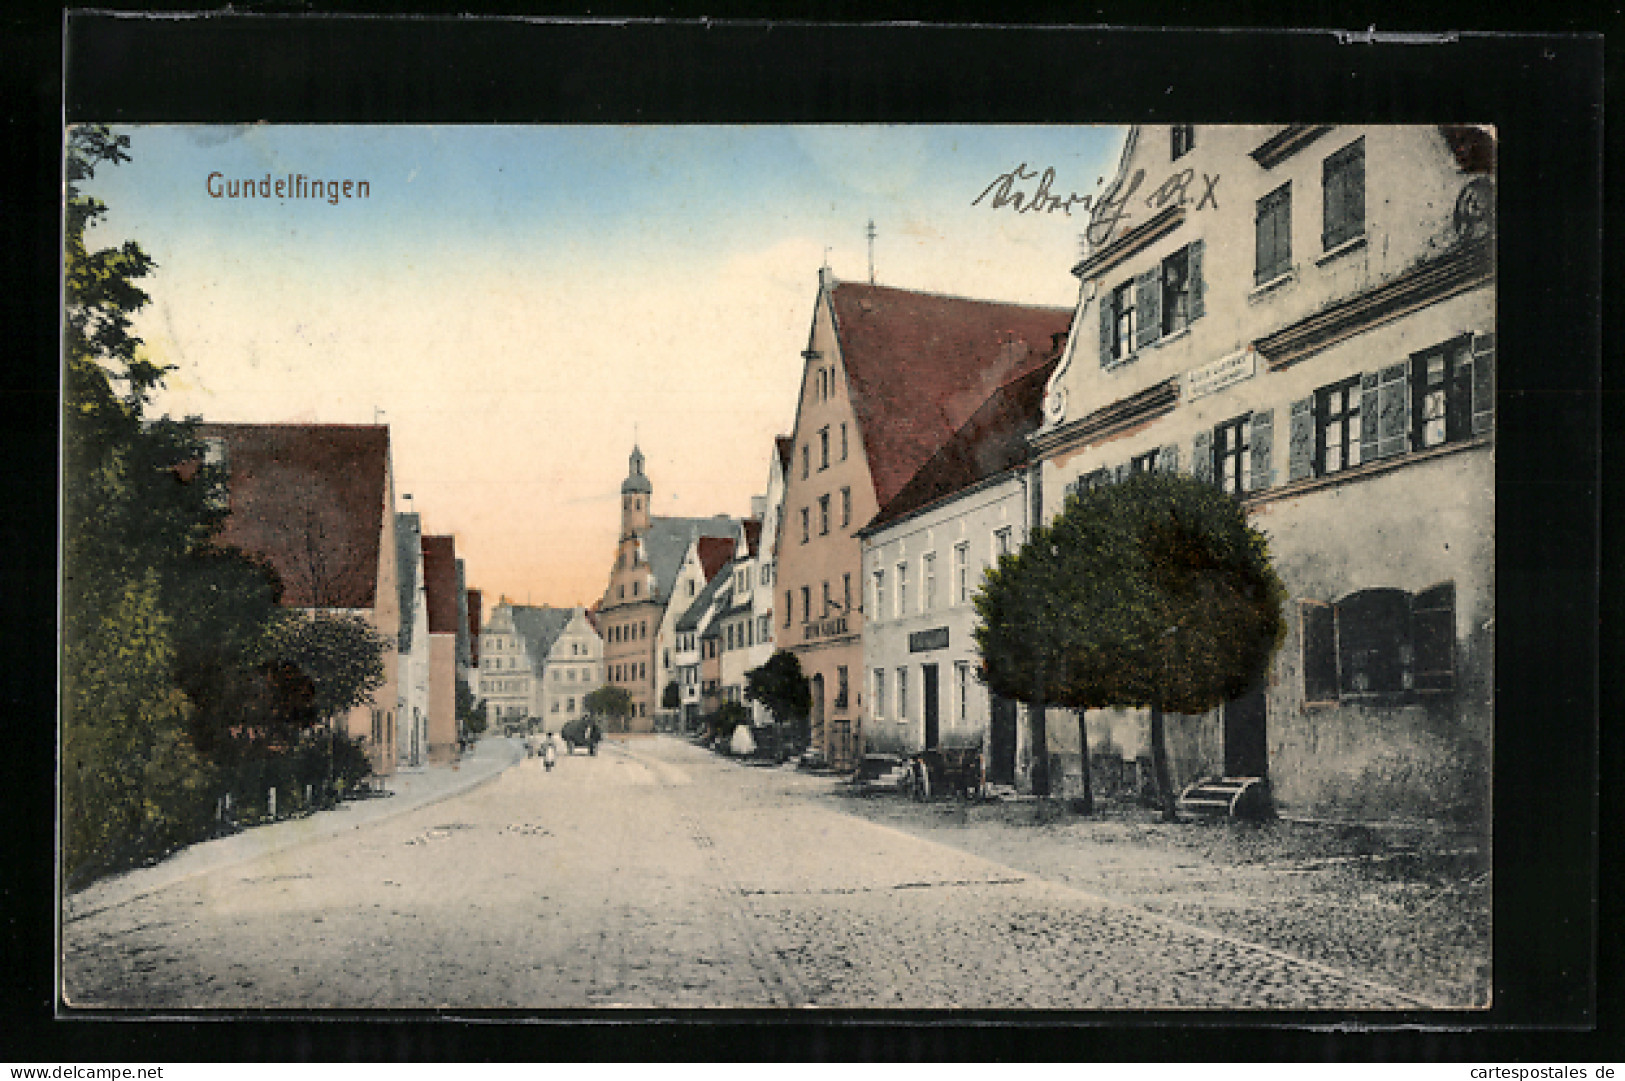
{"x": 657, "y": 875}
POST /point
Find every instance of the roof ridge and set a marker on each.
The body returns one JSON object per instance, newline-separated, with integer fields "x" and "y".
{"x": 955, "y": 296}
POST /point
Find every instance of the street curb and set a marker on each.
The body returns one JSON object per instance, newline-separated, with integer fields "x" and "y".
{"x": 71, "y": 913}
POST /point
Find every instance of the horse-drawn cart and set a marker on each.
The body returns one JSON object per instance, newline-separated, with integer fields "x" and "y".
{"x": 945, "y": 771}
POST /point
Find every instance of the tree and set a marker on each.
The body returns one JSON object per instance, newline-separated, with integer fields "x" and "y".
{"x": 469, "y": 710}
{"x": 780, "y": 685}
{"x": 340, "y": 656}
{"x": 612, "y": 702}
{"x": 1154, "y": 592}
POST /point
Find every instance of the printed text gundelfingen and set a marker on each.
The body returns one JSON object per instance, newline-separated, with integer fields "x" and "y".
{"x": 292, "y": 186}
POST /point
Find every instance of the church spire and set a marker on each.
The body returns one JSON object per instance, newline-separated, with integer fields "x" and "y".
{"x": 636, "y": 492}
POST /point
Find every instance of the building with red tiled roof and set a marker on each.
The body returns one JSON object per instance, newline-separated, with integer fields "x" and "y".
{"x": 924, "y": 555}
{"x": 440, "y": 589}
{"x": 889, "y": 376}
{"x": 316, "y": 502}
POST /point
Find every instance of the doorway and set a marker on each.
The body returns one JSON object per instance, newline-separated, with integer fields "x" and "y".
{"x": 931, "y": 719}
{"x": 1002, "y": 740}
{"x": 818, "y": 713}
{"x": 1246, "y": 750}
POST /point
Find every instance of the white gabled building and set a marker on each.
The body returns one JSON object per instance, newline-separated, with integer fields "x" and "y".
{"x": 1310, "y": 325}
{"x": 572, "y": 666}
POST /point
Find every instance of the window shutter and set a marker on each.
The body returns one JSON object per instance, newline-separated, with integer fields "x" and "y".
{"x": 1202, "y": 456}
{"x": 1106, "y": 317}
{"x": 1148, "y": 306}
{"x": 1300, "y": 447}
{"x": 1394, "y": 410}
{"x": 1368, "y": 416}
{"x": 1264, "y": 241}
{"x": 1433, "y": 636}
{"x": 1194, "y": 269}
{"x": 1332, "y": 192}
{"x": 1483, "y": 383}
{"x": 1263, "y": 433}
{"x": 1319, "y": 651}
{"x": 1168, "y": 459}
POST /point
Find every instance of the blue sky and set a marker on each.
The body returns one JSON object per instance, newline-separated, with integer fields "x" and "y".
{"x": 515, "y": 301}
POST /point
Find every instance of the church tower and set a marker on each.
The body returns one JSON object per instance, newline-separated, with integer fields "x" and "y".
{"x": 635, "y": 496}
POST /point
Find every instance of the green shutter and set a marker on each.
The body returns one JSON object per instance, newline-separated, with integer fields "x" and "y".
{"x": 1194, "y": 269}
{"x": 1148, "y": 306}
{"x": 1104, "y": 295}
{"x": 1202, "y": 456}
{"x": 1483, "y": 383}
{"x": 1264, "y": 241}
{"x": 1168, "y": 459}
{"x": 1263, "y": 437}
{"x": 1433, "y": 639}
{"x": 1319, "y": 651}
{"x": 1368, "y": 416}
{"x": 1300, "y": 446}
{"x": 1394, "y": 410}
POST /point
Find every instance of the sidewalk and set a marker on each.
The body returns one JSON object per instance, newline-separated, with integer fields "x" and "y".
{"x": 408, "y": 790}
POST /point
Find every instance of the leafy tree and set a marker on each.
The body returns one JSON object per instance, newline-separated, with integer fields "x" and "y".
{"x": 1154, "y": 592}
{"x": 336, "y": 660}
{"x": 614, "y": 703}
{"x": 779, "y": 685}
{"x": 468, "y": 709}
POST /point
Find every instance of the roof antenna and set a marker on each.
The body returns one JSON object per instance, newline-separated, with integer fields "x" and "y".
{"x": 871, "y": 234}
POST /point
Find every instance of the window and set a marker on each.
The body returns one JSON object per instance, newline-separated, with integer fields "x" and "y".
{"x": 879, "y": 605}
{"x": 928, "y": 575}
{"x": 1441, "y": 395}
{"x": 840, "y": 687}
{"x": 843, "y": 441}
{"x": 1143, "y": 463}
{"x": 806, "y": 469}
{"x": 1342, "y": 180}
{"x": 1272, "y": 235}
{"x": 902, "y": 590}
{"x": 570, "y": 705}
{"x": 1001, "y": 542}
{"x": 1232, "y": 464}
{"x": 962, "y": 678}
{"x": 846, "y": 592}
{"x": 826, "y": 600}
{"x": 1120, "y": 307}
{"x": 789, "y": 606}
{"x": 823, "y": 448}
{"x": 878, "y": 695}
{"x": 1181, "y": 138}
{"x": 902, "y": 694}
{"x": 1380, "y": 645}
{"x": 846, "y": 506}
{"x": 555, "y": 706}
{"x": 1176, "y": 292}
{"x": 634, "y": 589}
{"x": 805, "y": 518}
{"x": 961, "y": 573}
{"x": 1337, "y": 427}
{"x": 691, "y": 587}
{"x": 558, "y": 675}
{"x": 823, "y": 514}
{"x": 806, "y": 604}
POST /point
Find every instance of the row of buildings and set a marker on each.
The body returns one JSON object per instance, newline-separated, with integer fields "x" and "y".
{"x": 1303, "y": 316}
{"x": 317, "y": 503}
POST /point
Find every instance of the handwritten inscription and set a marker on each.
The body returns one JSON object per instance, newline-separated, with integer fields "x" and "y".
{"x": 1107, "y": 209}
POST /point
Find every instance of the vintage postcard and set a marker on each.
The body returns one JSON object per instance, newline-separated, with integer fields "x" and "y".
{"x": 632, "y": 566}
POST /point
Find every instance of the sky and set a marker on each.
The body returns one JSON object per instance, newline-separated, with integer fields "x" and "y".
{"x": 519, "y": 304}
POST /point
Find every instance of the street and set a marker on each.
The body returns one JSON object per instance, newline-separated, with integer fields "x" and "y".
{"x": 657, "y": 875}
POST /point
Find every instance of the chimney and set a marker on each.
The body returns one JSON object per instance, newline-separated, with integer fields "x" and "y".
{"x": 758, "y": 507}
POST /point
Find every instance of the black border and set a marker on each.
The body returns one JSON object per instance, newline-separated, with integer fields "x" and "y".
{"x": 1543, "y": 93}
